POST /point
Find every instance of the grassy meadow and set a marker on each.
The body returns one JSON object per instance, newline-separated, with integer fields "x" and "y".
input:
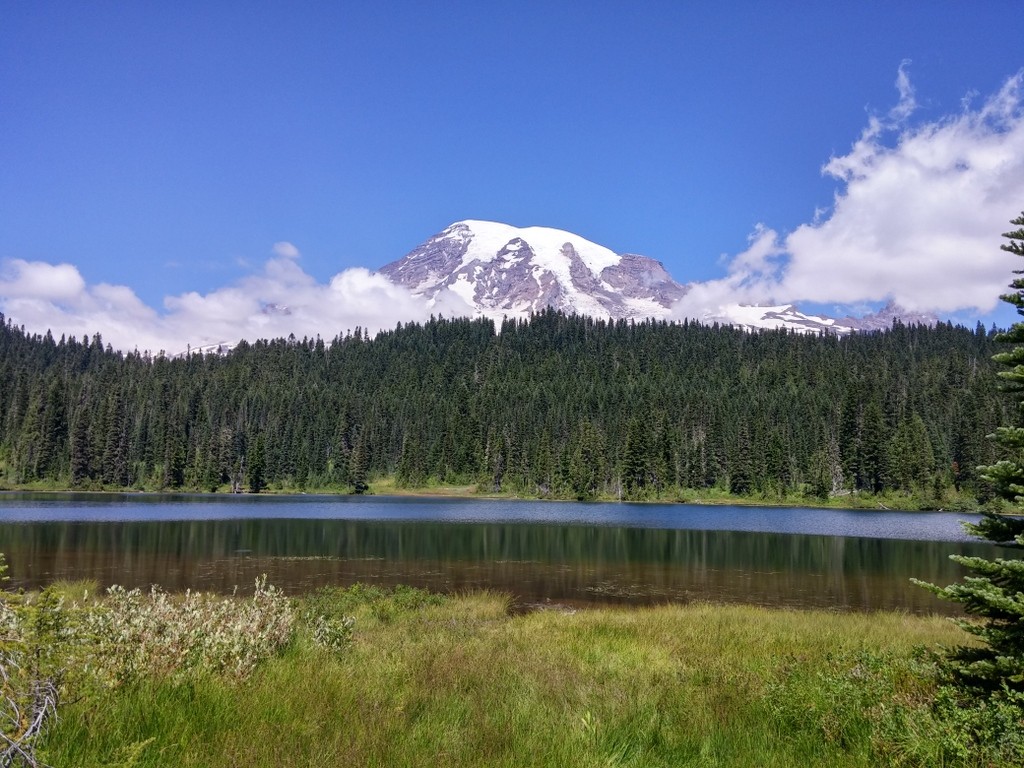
{"x": 425, "y": 680}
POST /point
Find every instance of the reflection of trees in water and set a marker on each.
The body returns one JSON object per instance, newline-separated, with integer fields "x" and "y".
{"x": 534, "y": 562}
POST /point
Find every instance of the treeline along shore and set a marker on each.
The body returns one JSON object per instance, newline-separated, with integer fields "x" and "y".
{"x": 558, "y": 406}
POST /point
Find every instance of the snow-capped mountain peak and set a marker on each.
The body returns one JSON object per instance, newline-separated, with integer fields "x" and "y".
{"x": 503, "y": 271}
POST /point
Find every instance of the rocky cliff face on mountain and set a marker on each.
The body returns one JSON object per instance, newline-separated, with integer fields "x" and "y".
{"x": 494, "y": 270}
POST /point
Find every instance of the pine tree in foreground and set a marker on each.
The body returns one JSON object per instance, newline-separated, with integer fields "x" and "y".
{"x": 993, "y": 596}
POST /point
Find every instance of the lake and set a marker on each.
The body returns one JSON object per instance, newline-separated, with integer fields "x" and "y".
{"x": 543, "y": 553}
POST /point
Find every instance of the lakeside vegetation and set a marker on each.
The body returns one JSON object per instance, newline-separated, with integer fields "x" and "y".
{"x": 950, "y": 501}
{"x": 555, "y": 407}
{"x": 413, "y": 678}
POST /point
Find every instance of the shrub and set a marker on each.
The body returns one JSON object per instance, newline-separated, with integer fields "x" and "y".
{"x": 137, "y": 634}
{"x": 331, "y": 633}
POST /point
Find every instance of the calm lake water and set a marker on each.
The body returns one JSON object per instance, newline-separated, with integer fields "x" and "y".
{"x": 540, "y": 552}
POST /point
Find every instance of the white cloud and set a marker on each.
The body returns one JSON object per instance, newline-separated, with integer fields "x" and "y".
{"x": 917, "y": 218}
{"x": 39, "y": 280}
{"x": 44, "y": 297}
{"x": 279, "y": 301}
{"x": 907, "y": 103}
{"x": 286, "y": 250}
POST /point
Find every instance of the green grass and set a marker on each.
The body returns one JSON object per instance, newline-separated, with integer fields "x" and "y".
{"x": 77, "y": 590}
{"x": 430, "y": 681}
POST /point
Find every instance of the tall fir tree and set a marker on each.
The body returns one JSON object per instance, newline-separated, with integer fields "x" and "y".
{"x": 993, "y": 596}
{"x": 257, "y": 464}
{"x": 358, "y": 463}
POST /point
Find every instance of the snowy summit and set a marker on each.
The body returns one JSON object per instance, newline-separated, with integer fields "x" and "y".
{"x": 498, "y": 270}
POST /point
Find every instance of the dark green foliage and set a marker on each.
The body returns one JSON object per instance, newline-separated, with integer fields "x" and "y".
{"x": 993, "y": 595}
{"x": 358, "y": 463}
{"x": 995, "y": 592}
{"x": 741, "y": 479}
{"x": 80, "y": 452}
{"x": 586, "y": 467}
{"x": 554, "y": 406}
{"x": 257, "y": 465}
{"x": 637, "y": 458}
{"x": 1007, "y": 474}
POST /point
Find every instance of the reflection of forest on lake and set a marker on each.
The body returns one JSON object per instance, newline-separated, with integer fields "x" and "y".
{"x": 576, "y": 564}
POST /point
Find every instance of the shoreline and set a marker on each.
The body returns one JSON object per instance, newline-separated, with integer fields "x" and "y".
{"x": 386, "y": 487}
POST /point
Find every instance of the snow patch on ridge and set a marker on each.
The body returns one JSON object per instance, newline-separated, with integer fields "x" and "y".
{"x": 464, "y": 289}
{"x": 752, "y": 317}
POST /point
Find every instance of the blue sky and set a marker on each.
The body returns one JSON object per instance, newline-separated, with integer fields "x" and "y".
{"x": 159, "y": 151}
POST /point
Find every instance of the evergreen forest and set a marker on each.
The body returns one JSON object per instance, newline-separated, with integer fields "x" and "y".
{"x": 556, "y": 406}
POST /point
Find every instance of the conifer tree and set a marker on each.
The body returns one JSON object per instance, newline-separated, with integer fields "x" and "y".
{"x": 257, "y": 461}
{"x": 358, "y": 463}
{"x": 636, "y": 460}
{"x": 586, "y": 465}
{"x": 80, "y": 449}
{"x": 995, "y": 592}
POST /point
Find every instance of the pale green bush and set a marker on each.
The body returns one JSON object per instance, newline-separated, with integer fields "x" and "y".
{"x": 135, "y": 634}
